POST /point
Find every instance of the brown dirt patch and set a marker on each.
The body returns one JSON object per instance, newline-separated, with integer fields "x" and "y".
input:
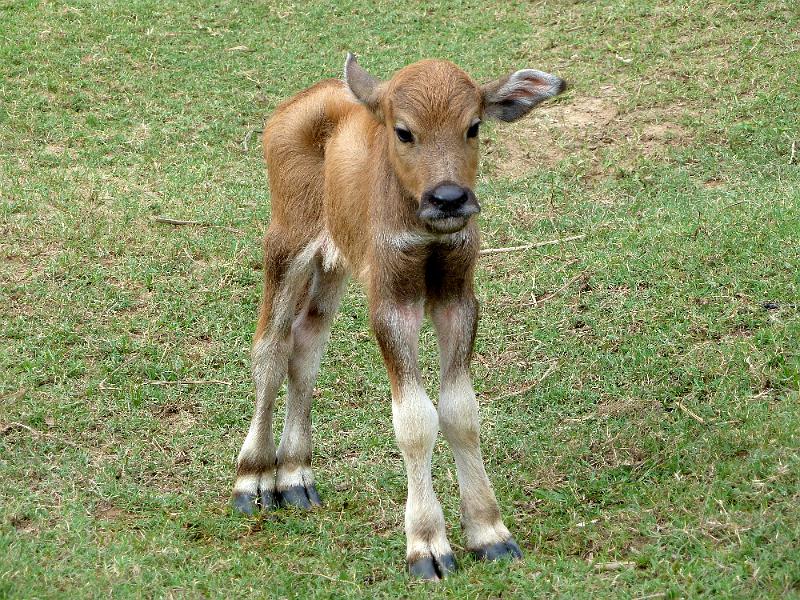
{"x": 23, "y": 524}
{"x": 587, "y": 126}
{"x": 179, "y": 418}
{"x": 629, "y": 406}
{"x": 713, "y": 183}
{"x": 108, "y": 512}
{"x": 199, "y": 348}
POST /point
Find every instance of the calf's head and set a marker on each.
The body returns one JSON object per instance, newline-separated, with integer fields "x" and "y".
{"x": 432, "y": 111}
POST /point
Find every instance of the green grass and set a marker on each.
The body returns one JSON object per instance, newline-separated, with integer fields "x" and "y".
{"x": 665, "y": 435}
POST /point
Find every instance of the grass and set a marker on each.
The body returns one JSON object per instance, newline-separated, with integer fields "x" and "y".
{"x": 659, "y": 457}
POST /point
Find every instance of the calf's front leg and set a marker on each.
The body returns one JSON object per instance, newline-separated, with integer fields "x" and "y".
{"x": 455, "y": 321}
{"x": 416, "y": 425}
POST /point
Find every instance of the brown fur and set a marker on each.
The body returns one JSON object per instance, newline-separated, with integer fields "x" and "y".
{"x": 332, "y": 165}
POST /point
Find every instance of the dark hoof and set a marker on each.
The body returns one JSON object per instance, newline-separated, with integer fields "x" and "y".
{"x": 447, "y": 564}
{"x": 499, "y": 551}
{"x": 313, "y": 495}
{"x": 250, "y": 504}
{"x": 269, "y": 501}
{"x": 300, "y": 496}
{"x": 245, "y": 503}
{"x": 432, "y": 568}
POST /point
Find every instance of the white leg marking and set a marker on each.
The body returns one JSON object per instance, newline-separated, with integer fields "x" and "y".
{"x": 310, "y": 333}
{"x": 246, "y": 484}
{"x": 294, "y": 476}
{"x": 416, "y": 426}
{"x": 268, "y": 373}
{"x": 458, "y": 414}
{"x": 460, "y": 422}
{"x": 270, "y": 357}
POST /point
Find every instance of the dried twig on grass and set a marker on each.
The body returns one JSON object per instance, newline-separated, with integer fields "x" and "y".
{"x": 583, "y": 276}
{"x": 531, "y": 246}
{"x": 246, "y": 140}
{"x": 614, "y": 565}
{"x": 186, "y": 382}
{"x": 41, "y": 434}
{"x": 178, "y": 222}
{"x": 328, "y": 577}
{"x": 530, "y": 386}
{"x": 694, "y": 415}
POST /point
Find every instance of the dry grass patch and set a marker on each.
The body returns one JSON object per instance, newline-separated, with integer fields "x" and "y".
{"x": 589, "y": 127}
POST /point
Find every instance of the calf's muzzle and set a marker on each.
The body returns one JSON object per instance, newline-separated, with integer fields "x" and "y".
{"x": 447, "y": 207}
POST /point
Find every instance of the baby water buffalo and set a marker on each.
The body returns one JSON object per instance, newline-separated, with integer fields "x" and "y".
{"x": 375, "y": 179}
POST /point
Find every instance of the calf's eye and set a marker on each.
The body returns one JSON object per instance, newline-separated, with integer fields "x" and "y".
{"x": 404, "y": 135}
{"x": 473, "y": 130}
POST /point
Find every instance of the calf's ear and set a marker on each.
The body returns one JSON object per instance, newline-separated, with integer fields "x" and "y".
{"x": 366, "y": 88}
{"x": 513, "y": 96}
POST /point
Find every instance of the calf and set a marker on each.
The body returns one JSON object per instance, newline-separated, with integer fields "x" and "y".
{"x": 375, "y": 179}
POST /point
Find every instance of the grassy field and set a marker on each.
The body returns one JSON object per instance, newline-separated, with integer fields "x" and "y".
{"x": 640, "y": 386}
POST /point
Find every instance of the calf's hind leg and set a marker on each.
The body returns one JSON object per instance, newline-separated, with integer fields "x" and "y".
{"x": 286, "y": 273}
{"x": 310, "y": 333}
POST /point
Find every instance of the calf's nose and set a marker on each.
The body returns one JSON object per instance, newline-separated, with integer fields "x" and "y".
{"x": 449, "y": 195}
